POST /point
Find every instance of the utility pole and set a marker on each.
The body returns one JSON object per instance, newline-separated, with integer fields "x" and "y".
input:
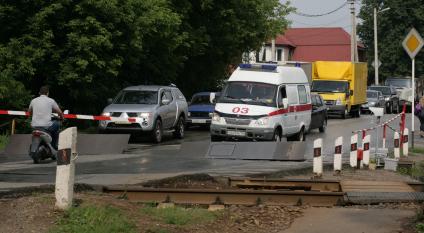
{"x": 273, "y": 50}
{"x": 353, "y": 47}
{"x": 375, "y": 48}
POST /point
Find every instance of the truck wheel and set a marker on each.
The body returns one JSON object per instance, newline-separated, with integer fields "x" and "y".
{"x": 345, "y": 113}
{"x": 157, "y": 131}
{"x": 358, "y": 113}
{"x": 179, "y": 128}
{"x": 389, "y": 110}
{"x": 323, "y": 127}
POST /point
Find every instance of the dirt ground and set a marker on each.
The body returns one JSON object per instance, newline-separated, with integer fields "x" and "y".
{"x": 36, "y": 212}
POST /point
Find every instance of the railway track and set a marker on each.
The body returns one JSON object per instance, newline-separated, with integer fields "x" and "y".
{"x": 254, "y": 191}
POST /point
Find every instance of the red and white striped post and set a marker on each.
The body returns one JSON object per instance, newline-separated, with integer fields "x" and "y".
{"x": 353, "y": 149}
{"x": 384, "y": 135}
{"x": 317, "y": 157}
{"x": 338, "y": 155}
{"x": 396, "y": 145}
{"x": 366, "y": 150}
{"x": 405, "y": 142}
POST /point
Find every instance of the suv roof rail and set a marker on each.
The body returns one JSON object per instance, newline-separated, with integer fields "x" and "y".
{"x": 172, "y": 85}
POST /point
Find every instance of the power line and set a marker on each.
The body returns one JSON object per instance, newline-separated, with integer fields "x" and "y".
{"x": 319, "y": 15}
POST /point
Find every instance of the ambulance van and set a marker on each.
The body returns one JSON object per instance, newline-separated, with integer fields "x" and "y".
{"x": 263, "y": 102}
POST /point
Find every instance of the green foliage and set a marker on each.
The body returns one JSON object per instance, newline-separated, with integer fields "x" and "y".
{"x": 4, "y": 139}
{"x": 393, "y": 26}
{"x": 88, "y": 50}
{"x": 417, "y": 150}
{"x": 420, "y": 227}
{"x": 93, "y": 219}
{"x": 179, "y": 216}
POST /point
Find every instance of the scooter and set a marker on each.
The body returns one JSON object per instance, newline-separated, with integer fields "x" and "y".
{"x": 41, "y": 147}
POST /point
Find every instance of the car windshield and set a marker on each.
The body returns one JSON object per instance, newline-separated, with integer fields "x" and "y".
{"x": 372, "y": 94}
{"x": 200, "y": 99}
{"x": 330, "y": 86}
{"x": 384, "y": 90}
{"x": 399, "y": 82}
{"x": 249, "y": 93}
{"x": 137, "y": 97}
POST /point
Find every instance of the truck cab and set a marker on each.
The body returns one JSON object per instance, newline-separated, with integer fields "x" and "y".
{"x": 342, "y": 85}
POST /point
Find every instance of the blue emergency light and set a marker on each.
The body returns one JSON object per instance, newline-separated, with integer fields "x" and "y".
{"x": 269, "y": 67}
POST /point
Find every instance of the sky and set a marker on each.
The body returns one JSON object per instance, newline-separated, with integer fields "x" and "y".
{"x": 340, "y": 18}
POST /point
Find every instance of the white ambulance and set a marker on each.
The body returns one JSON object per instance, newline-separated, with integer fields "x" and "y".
{"x": 263, "y": 102}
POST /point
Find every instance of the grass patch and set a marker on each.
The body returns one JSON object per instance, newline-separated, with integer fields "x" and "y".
{"x": 417, "y": 150}
{"x": 178, "y": 215}
{"x": 4, "y": 139}
{"x": 94, "y": 219}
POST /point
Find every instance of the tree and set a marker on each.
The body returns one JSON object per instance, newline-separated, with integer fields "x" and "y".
{"x": 393, "y": 26}
{"x": 88, "y": 50}
{"x": 220, "y": 31}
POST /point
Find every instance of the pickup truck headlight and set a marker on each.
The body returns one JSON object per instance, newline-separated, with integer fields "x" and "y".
{"x": 145, "y": 114}
{"x": 339, "y": 102}
{"x": 387, "y": 98}
{"x": 216, "y": 117}
{"x": 211, "y": 114}
{"x": 262, "y": 121}
{"x": 371, "y": 103}
{"x": 106, "y": 114}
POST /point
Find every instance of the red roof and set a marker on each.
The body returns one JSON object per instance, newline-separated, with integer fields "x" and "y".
{"x": 313, "y": 44}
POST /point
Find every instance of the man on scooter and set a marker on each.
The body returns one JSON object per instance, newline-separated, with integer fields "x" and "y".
{"x": 41, "y": 109}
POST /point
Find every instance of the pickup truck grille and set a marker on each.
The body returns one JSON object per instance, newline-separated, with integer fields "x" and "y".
{"x": 237, "y": 121}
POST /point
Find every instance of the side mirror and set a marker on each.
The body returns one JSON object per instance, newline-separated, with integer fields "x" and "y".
{"x": 165, "y": 101}
{"x": 212, "y": 97}
{"x": 284, "y": 103}
{"x": 66, "y": 112}
{"x": 109, "y": 100}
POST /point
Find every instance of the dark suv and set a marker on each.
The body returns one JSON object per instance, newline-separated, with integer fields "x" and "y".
{"x": 390, "y": 96}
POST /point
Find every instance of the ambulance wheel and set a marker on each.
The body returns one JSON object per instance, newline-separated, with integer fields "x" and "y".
{"x": 277, "y": 135}
{"x": 345, "y": 113}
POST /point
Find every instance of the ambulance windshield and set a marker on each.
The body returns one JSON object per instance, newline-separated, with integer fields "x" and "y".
{"x": 249, "y": 93}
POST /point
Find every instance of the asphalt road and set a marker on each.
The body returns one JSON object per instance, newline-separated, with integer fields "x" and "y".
{"x": 145, "y": 161}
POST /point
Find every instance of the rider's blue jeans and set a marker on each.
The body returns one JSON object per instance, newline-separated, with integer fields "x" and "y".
{"x": 54, "y": 133}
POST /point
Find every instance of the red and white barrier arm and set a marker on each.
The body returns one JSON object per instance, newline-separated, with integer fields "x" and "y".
{"x": 380, "y": 125}
{"x": 74, "y": 116}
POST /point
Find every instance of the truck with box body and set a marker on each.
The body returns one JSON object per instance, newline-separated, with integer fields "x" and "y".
{"x": 342, "y": 85}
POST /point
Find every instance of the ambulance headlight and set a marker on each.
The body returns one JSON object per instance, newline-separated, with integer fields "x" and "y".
{"x": 262, "y": 121}
{"x": 339, "y": 102}
{"x": 216, "y": 117}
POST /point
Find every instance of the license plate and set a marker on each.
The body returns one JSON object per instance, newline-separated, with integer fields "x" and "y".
{"x": 198, "y": 121}
{"x": 236, "y": 133}
{"x": 122, "y": 122}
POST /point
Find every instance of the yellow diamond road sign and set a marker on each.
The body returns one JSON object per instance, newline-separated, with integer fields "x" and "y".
{"x": 412, "y": 43}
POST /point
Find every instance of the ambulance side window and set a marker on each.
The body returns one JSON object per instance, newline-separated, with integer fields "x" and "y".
{"x": 303, "y": 97}
{"x": 292, "y": 95}
{"x": 281, "y": 95}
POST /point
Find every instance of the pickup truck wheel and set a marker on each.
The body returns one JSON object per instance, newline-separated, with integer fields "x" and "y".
{"x": 179, "y": 128}
{"x": 157, "y": 131}
{"x": 323, "y": 127}
{"x": 215, "y": 138}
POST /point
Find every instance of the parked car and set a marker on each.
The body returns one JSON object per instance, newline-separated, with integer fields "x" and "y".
{"x": 390, "y": 96}
{"x": 374, "y": 99}
{"x": 319, "y": 113}
{"x": 200, "y": 109}
{"x": 155, "y": 108}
